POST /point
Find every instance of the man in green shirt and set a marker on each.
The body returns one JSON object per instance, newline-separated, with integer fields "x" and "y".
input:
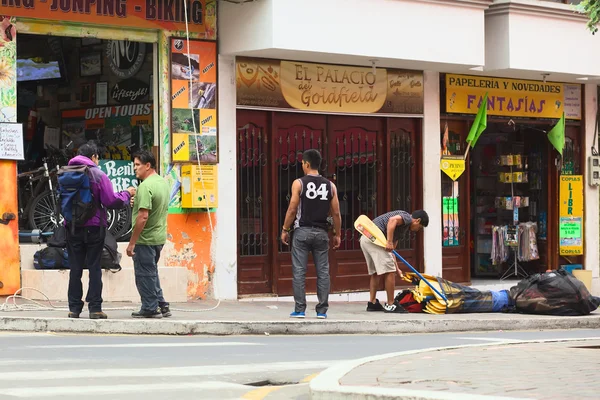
{"x": 149, "y": 218}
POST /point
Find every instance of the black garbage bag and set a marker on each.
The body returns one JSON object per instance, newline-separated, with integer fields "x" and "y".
{"x": 553, "y": 293}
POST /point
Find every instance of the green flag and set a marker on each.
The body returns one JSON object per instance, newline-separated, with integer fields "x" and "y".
{"x": 479, "y": 124}
{"x": 556, "y": 136}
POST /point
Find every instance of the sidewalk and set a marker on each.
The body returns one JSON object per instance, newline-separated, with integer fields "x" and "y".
{"x": 527, "y": 370}
{"x": 259, "y": 318}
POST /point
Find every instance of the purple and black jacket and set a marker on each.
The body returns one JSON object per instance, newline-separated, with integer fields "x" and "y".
{"x": 102, "y": 190}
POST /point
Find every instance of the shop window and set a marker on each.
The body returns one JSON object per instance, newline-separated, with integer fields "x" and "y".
{"x": 71, "y": 91}
{"x": 509, "y": 195}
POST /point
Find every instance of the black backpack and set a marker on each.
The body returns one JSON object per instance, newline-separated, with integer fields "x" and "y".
{"x": 51, "y": 258}
{"x": 55, "y": 256}
{"x": 111, "y": 258}
{"x": 58, "y": 238}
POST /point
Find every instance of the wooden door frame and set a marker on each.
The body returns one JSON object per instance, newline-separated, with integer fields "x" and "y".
{"x": 269, "y": 256}
{"x": 276, "y": 257}
{"x": 414, "y": 126}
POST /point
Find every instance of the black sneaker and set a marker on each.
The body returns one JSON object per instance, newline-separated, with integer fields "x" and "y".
{"x": 375, "y": 306}
{"x": 165, "y": 310}
{"x": 394, "y": 308}
{"x": 147, "y": 314}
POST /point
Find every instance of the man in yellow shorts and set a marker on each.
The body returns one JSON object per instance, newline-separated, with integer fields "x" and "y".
{"x": 381, "y": 262}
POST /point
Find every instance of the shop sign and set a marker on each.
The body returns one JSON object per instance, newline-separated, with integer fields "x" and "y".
{"x": 120, "y": 173}
{"x": 125, "y": 57}
{"x": 571, "y": 215}
{"x": 130, "y": 91}
{"x": 512, "y": 97}
{"x": 453, "y": 166}
{"x": 145, "y": 14}
{"x": 108, "y": 125}
{"x": 328, "y": 88}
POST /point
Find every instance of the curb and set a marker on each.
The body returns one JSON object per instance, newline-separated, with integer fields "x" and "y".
{"x": 326, "y": 385}
{"x": 307, "y": 327}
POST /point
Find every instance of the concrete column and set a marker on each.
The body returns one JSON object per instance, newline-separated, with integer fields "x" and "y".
{"x": 591, "y": 210}
{"x": 225, "y": 236}
{"x": 432, "y": 179}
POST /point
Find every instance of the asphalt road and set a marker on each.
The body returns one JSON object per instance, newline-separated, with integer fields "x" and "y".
{"x": 51, "y": 366}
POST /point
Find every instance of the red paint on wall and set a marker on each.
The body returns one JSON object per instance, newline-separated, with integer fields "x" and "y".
{"x": 10, "y": 274}
{"x": 189, "y": 245}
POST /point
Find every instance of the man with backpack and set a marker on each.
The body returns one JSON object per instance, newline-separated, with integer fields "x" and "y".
{"x": 85, "y": 191}
{"x": 149, "y": 218}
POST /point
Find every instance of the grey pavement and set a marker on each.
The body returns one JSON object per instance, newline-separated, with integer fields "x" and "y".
{"x": 50, "y": 366}
{"x": 263, "y": 317}
{"x": 526, "y": 370}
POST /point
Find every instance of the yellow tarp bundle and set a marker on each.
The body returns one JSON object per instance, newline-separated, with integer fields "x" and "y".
{"x": 435, "y": 303}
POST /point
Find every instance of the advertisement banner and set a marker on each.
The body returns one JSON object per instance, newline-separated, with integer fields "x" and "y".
{"x": 328, "y": 88}
{"x": 512, "y": 97}
{"x": 147, "y": 14}
{"x": 194, "y": 100}
{"x": 570, "y": 228}
{"x": 114, "y": 127}
{"x": 120, "y": 173}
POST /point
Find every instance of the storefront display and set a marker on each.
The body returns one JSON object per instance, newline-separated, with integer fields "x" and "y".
{"x": 517, "y": 229}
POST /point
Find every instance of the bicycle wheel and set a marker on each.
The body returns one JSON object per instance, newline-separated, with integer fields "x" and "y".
{"x": 42, "y": 213}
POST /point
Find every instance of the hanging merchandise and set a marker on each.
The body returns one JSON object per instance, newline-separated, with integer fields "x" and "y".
{"x": 499, "y": 246}
{"x": 528, "y": 250}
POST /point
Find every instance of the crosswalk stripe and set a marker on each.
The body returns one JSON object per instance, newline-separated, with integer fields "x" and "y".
{"x": 49, "y": 391}
{"x": 141, "y": 345}
{"x": 483, "y": 339}
{"x": 33, "y": 361}
{"x": 208, "y": 370}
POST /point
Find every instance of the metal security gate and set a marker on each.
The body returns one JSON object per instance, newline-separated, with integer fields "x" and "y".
{"x": 372, "y": 162}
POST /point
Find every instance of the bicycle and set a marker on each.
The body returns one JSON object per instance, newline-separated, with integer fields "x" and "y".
{"x": 42, "y": 212}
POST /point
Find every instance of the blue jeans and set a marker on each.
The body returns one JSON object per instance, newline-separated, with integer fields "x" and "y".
{"x": 316, "y": 241}
{"x": 145, "y": 262}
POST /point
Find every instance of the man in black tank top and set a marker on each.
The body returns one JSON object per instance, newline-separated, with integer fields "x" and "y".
{"x": 313, "y": 199}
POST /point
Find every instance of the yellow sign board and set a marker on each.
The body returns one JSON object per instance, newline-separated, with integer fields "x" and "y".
{"x": 512, "y": 97}
{"x": 199, "y": 186}
{"x": 453, "y": 166}
{"x": 327, "y": 87}
{"x": 570, "y": 228}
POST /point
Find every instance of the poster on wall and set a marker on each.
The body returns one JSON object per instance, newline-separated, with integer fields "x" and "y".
{"x": 570, "y": 224}
{"x": 329, "y": 88}
{"x": 114, "y": 127}
{"x": 11, "y": 141}
{"x": 194, "y": 100}
{"x": 450, "y": 220}
{"x": 8, "y": 69}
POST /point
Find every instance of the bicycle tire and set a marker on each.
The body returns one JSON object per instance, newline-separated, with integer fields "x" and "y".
{"x": 120, "y": 223}
{"x": 42, "y": 207}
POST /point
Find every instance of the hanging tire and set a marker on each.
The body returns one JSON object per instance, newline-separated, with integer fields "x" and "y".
{"x": 119, "y": 223}
{"x": 42, "y": 213}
